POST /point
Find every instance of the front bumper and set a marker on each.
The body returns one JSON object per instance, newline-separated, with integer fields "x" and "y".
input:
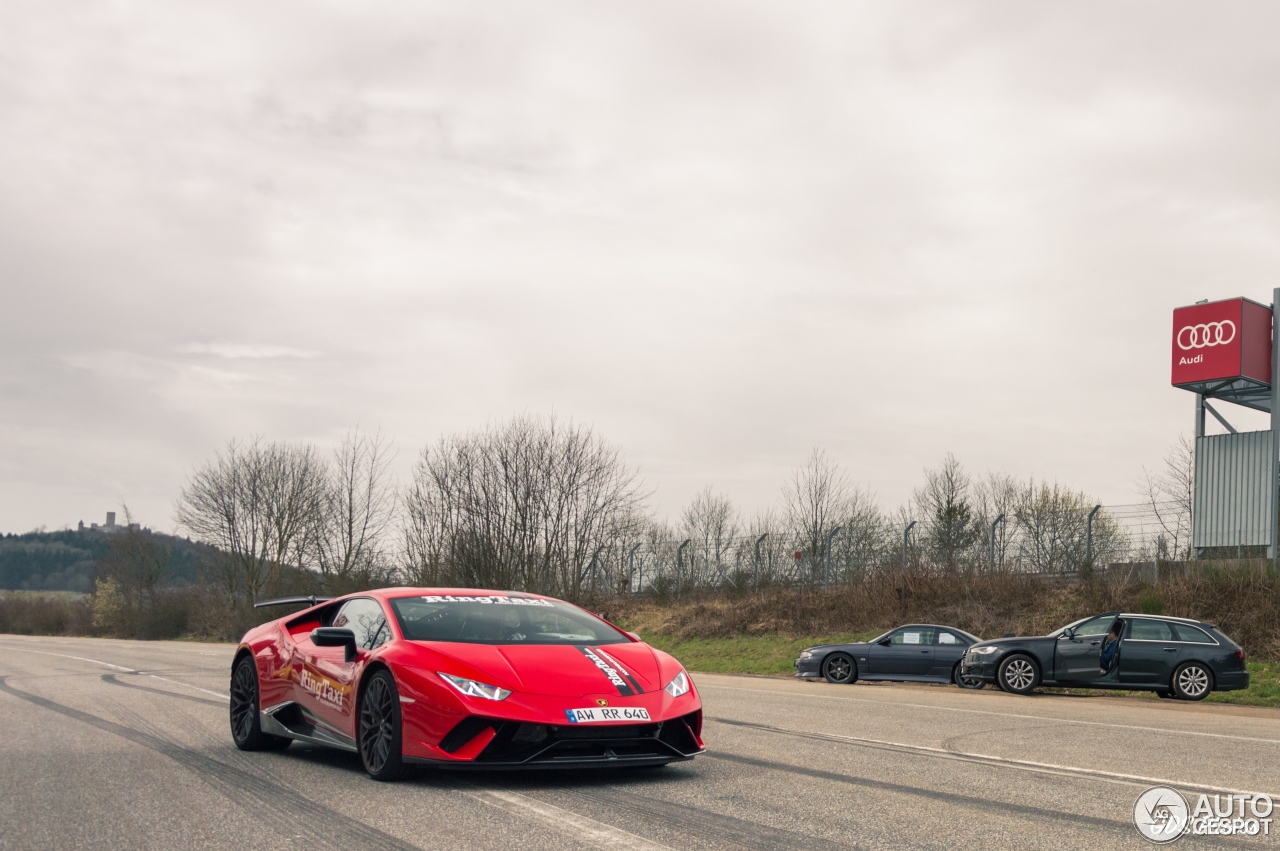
{"x": 809, "y": 667}
{"x": 494, "y": 743}
{"x": 981, "y": 668}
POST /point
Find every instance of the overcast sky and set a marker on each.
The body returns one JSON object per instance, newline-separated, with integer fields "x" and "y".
{"x": 720, "y": 233}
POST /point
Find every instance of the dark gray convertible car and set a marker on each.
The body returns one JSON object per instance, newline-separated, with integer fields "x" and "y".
{"x": 1174, "y": 657}
{"x": 921, "y": 652}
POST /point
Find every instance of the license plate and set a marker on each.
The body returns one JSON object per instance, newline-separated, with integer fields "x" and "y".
{"x": 602, "y": 714}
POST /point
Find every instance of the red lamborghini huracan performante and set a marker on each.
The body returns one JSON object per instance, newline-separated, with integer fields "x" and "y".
{"x": 461, "y": 678}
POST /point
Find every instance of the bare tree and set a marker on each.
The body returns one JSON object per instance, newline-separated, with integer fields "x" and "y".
{"x": 950, "y": 531}
{"x": 359, "y": 505}
{"x": 997, "y": 497}
{"x": 259, "y": 504}
{"x": 531, "y": 504}
{"x": 1171, "y": 493}
{"x": 710, "y": 522}
{"x": 813, "y": 503}
{"x": 866, "y": 539}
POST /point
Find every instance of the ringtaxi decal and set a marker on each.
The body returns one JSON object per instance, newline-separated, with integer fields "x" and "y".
{"x": 1162, "y": 814}
{"x": 494, "y": 599}
{"x": 325, "y": 690}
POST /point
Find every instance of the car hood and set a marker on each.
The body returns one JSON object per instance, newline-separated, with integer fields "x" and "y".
{"x": 557, "y": 670}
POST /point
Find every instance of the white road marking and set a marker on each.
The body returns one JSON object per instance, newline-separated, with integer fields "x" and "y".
{"x": 584, "y": 829}
{"x": 1165, "y": 730}
{"x": 216, "y": 694}
{"x": 1025, "y": 764}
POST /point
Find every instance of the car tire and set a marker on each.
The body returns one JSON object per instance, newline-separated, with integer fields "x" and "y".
{"x": 839, "y": 668}
{"x": 1018, "y": 674}
{"x": 378, "y": 727}
{"x": 1192, "y": 681}
{"x": 246, "y": 723}
{"x": 971, "y": 683}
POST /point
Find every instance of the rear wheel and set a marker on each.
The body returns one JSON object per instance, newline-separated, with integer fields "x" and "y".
{"x": 379, "y": 728}
{"x": 839, "y": 668}
{"x": 1192, "y": 681}
{"x": 965, "y": 682}
{"x": 246, "y": 724}
{"x": 1017, "y": 674}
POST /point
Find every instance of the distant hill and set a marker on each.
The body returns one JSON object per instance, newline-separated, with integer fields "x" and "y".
{"x": 68, "y": 560}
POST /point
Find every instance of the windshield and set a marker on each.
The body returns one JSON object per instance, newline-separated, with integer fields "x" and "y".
{"x": 500, "y": 619}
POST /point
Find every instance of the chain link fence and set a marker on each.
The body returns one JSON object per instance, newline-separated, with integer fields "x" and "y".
{"x": 1063, "y": 543}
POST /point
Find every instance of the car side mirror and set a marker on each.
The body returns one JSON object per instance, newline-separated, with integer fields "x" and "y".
{"x": 884, "y": 642}
{"x": 633, "y": 636}
{"x": 335, "y": 636}
{"x": 1071, "y": 633}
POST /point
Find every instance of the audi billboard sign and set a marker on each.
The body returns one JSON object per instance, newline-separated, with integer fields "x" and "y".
{"x": 1221, "y": 341}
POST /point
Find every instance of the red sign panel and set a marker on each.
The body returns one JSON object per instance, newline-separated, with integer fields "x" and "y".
{"x": 1221, "y": 340}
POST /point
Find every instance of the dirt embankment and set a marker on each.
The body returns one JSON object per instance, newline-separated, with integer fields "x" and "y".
{"x": 1244, "y": 600}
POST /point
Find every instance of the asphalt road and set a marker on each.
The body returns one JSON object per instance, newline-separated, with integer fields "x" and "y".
{"x": 124, "y": 744}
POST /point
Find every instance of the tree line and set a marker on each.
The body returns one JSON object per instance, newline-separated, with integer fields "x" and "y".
{"x": 542, "y": 505}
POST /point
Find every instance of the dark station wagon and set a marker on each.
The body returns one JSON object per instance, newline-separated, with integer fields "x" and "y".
{"x": 1174, "y": 657}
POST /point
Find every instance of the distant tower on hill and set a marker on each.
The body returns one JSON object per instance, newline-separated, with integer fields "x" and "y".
{"x": 111, "y": 519}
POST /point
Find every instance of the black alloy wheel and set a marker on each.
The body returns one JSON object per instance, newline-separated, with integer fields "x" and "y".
{"x": 1018, "y": 675}
{"x": 379, "y": 728}
{"x": 972, "y": 683}
{"x": 1192, "y": 681}
{"x": 246, "y": 725}
{"x": 839, "y": 668}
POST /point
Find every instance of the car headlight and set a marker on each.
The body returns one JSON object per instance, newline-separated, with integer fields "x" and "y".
{"x": 806, "y": 654}
{"x": 472, "y": 688}
{"x": 983, "y": 651}
{"x": 678, "y": 686}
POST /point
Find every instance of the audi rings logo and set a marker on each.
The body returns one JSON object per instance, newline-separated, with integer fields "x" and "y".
{"x": 1206, "y": 335}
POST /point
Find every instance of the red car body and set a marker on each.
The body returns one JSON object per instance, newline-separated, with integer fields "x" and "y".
{"x": 314, "y": 693}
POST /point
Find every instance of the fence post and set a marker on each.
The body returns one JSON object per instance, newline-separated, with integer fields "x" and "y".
{"x": 759, "y": 541}
{"x": 631, "y": 567}
{"x": 680, "y": 565}
{"x": 827, "y": 570}
{"x": 906, "y": 535}
{"x": 994, "y": 524}
{"x": 1088, "y": 537}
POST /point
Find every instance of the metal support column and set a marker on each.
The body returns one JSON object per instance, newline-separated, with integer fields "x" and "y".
{"x": 680, "y": 566}
{"x": 906, "y": 538}
{"x": 631, "y": 569}
{"x": 1274, "y": 550}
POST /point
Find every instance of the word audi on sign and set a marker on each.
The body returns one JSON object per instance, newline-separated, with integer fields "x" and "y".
{"x": 1222, "y": 341}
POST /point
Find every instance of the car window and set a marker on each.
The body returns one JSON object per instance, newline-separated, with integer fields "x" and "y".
{"x": 365, "y": 619}
{"x": 500, "y": 619}
{"x": 945, "y": 637}
{"x": 1096, "y": 626}
{"x": 1142, "y": 629}
{"x": 912, "y": 635}
{"x": 1193, "y": 634}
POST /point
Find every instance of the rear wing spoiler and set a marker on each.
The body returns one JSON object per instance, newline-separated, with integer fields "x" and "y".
{"x": 292, "y": 601}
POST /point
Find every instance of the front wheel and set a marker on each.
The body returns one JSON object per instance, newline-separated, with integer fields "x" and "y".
{"x": 246, "y": 724}
{"x": 379, "y": 728}
{"x": 839, "y": 668}
{"x": 1192, "y": 681}
{"x": 1018, "y": 675}
{"x": 965, "y": 682}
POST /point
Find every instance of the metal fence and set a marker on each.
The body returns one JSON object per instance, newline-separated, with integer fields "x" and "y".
{"x": 1063, "y": 542}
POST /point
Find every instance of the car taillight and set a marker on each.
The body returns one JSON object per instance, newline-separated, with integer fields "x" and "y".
{"x": 1240, "y": 653}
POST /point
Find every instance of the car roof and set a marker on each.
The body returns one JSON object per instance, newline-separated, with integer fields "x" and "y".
{"x": 1162, "y": 618}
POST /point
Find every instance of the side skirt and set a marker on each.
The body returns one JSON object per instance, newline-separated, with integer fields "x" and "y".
{"x": 292, "y": 721}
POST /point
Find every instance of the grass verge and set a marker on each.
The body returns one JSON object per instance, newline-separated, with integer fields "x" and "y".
{"x": 775, "y": 655}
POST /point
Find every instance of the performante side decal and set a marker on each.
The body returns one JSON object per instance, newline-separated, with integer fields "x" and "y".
{"x": 325, "y": 690}
{"x": 621, "y": 670}
{"x": 623, "y": 687}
